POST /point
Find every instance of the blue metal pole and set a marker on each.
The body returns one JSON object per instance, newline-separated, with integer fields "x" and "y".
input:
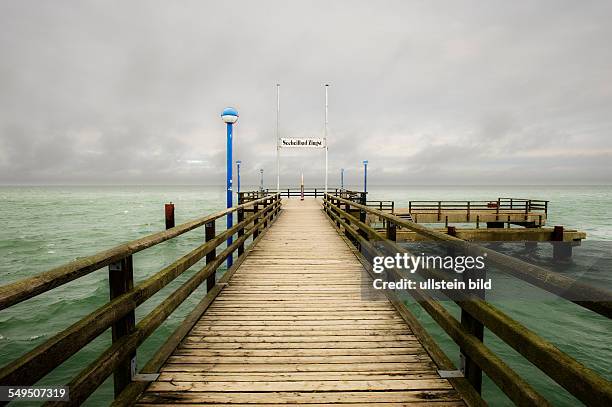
{"x": 238, "y": 175}
{"x": 230, "y": 218}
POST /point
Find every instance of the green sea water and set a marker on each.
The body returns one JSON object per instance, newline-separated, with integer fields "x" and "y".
{"x": 43, "y": 227}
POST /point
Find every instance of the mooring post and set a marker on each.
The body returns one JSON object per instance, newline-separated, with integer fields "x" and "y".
{"x": 209, "y": 234}
{"x": 121, "y": 280}
{"x": 562, "y": 251}
{"x": 169, "y": 211}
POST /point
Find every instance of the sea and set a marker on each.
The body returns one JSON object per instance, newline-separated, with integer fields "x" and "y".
{"x": 46, "y": 226}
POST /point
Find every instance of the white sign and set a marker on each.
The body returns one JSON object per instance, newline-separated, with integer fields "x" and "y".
{"x": 302, "y": 142}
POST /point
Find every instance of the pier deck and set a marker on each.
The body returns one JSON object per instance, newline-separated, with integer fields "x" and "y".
{"x": 291, "y": 327}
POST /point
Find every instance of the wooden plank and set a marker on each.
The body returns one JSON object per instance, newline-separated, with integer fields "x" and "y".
{"x": 372, "y": 367}
{"x": 305, "y": 385}
{"x": 277, "y": 397}
{"x": 294, "y": 376}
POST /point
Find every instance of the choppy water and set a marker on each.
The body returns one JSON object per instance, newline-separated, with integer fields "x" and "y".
{"x": 43, "y": 227}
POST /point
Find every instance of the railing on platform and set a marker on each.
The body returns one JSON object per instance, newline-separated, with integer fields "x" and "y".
{"x": 500, "y": 205}
{"x": 297, "y": 192}
{"x": 254, "y": 217}
{"x": 476, "y": 314}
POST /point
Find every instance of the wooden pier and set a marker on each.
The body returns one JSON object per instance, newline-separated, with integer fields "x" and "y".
{"x": 294, "y": 320}
{"x": 291, "y": 326}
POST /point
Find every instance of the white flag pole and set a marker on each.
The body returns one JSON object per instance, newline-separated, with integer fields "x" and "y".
{"x": 277, "y": 138}
{"x": 326, "y": 149}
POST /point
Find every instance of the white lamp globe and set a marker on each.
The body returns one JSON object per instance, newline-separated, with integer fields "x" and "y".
{"x": 229, "y": 115}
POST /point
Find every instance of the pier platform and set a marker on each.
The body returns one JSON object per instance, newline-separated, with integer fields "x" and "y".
{"x": 291, "y": 327}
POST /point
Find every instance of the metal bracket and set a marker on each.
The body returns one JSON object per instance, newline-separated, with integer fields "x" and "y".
{"x": 115, "y": 266}
{"x": 145, "y": 377}
{"x": 448, "y": 374}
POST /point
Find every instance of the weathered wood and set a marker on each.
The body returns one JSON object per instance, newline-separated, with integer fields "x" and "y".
{"x": 294, "y": 318}
{"x": 21, "y": 290}
{"x": 121, "y": 281}
{"x": 209, "y": 234}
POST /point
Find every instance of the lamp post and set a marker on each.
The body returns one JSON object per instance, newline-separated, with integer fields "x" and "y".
{"x": 261, "y": 188}
{"x": 365, "y": 175}
{"x": 229, "y": 116}
{"x": 341, "y": 178}
{"x": 238, "y": 162}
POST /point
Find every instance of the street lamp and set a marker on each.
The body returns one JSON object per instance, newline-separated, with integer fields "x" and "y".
{"x": 341, "y": 178}
{"x": 238, "y": 162}
{"x": 365, "y": 175}
{"x": 261, "y": 188}
{"x": 229, "y": 116}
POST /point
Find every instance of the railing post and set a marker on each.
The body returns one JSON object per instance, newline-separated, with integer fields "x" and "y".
{"x": 209, "y": 233}
{"x": 439, "y": 210}
{"x": 256, "y": 221}
{"x": 471, "y": 371}
{"x": 265, "y": 206}
{"x": 337, "y": 203}
{"x": 364, "y": 199}
{"x": 362, "y": 218}
{"x": 121, "y": 280}
{"x": 240, "y": 231}
{"x": 169, "y": 212}
{"x": 391, "y": 231}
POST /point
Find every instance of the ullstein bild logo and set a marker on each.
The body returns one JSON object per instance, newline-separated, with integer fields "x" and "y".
{"x": 302, "y": 142}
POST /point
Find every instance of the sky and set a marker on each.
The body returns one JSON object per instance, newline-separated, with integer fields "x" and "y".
{"x": 429, "y": 92}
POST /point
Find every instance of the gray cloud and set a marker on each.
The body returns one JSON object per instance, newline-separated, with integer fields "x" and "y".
{"x": 428, "y": 92}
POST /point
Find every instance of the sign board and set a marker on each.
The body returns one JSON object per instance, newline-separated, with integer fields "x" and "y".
{"x": 298, "y": 142}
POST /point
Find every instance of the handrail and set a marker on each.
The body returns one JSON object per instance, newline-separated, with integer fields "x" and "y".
{"x": 600, "y": 299}
{"x": 518, "y": 204}
{"x": 21, "y": 290}
{"x": 581, "y": 381}
{"x": 119, "y": 311}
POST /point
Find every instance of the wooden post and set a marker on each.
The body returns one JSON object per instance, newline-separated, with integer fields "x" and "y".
{"x": 362, "y": 218}
{"x": 169, "y": 210}
{"x": 562, "y": 251}
{"x": 451, "y": 231}
{"x": 121, "y": 280}
{"x": 209, "y": 233}
{"x": 364, "y": 198}
{"x": 256, "y": 221}
{"x": 391, "y": 231}
{"x": 240, "y": 231}
{"x": 338, "y": 206}
{"x": 439, "y": 210}
{"x": 471, "y": 371}
{"x": 265, "y": 206}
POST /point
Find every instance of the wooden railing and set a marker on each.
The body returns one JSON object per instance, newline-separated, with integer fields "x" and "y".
{"x": 500, "y": 205}
{"x": 476, "y": 314}
{"x": 119, "y": 313}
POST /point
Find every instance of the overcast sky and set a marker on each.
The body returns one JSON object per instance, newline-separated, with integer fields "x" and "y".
{"x": 429, "y": 91}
